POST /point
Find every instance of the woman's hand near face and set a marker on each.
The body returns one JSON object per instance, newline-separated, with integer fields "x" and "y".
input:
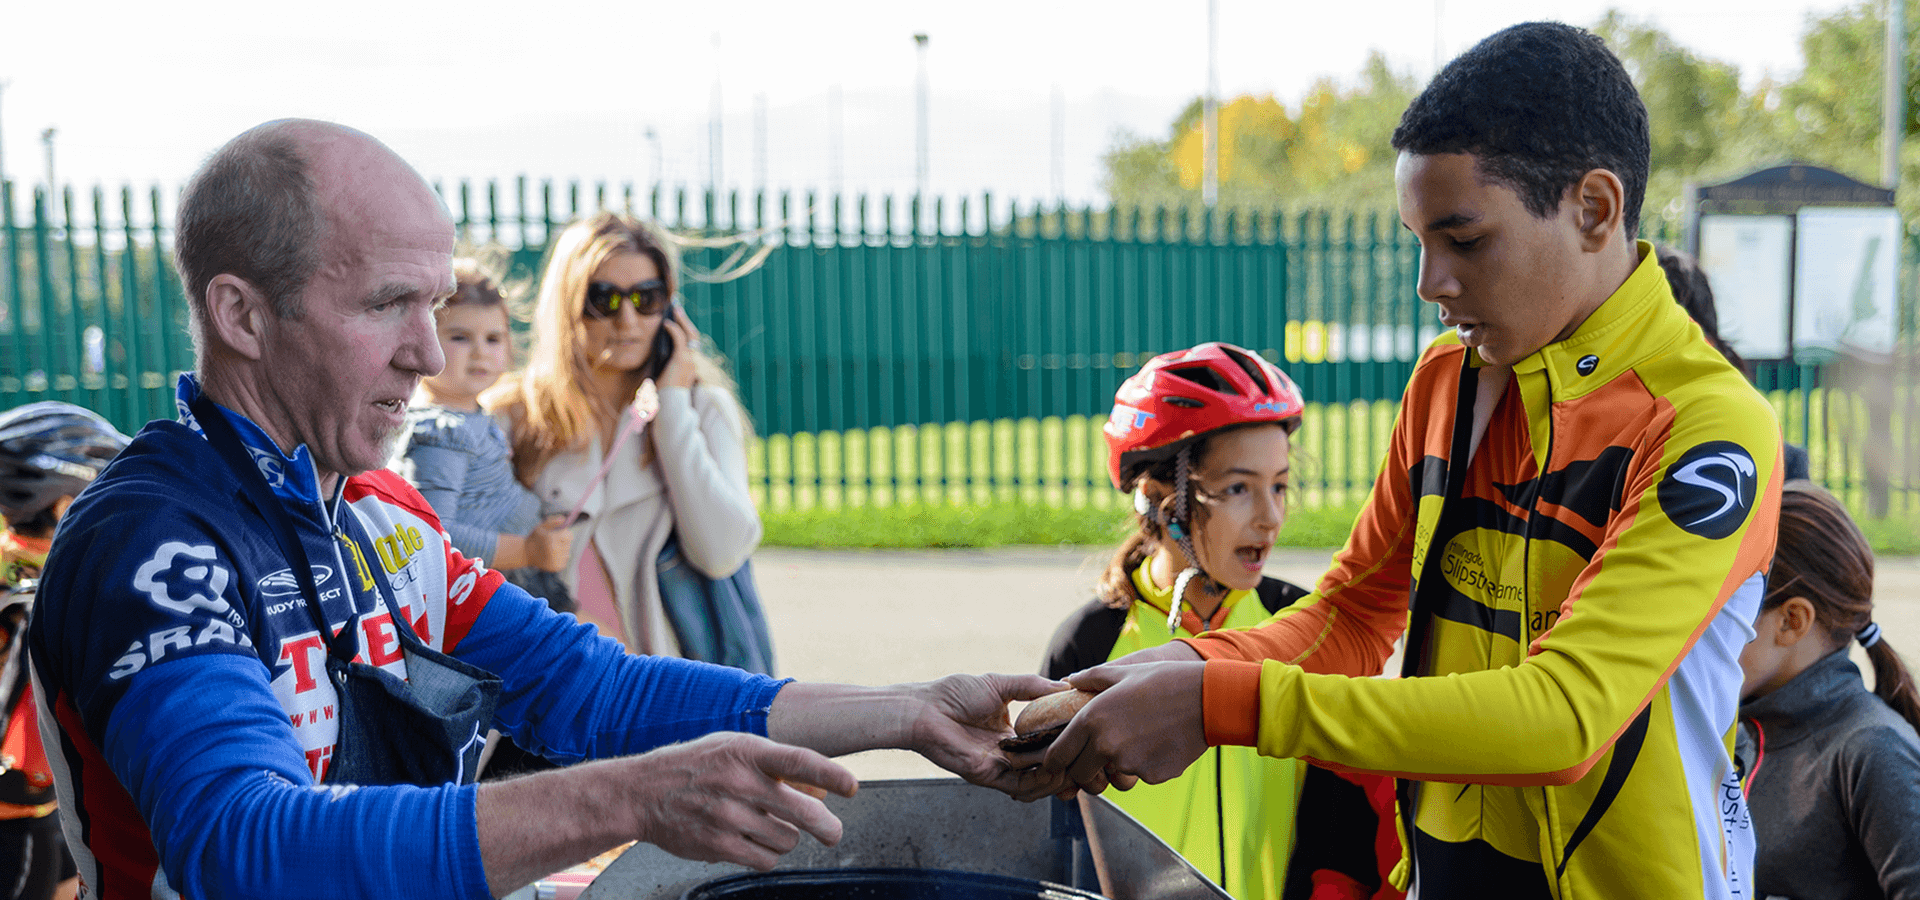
{"x": 680, "y": 370}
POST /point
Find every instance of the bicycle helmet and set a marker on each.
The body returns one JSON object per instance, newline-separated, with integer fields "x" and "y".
{"x": 1181, "y": 396}
{"x": 50, "y": 450}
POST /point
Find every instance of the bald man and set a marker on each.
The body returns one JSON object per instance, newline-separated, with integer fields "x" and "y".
{"x": 267, "y": 669}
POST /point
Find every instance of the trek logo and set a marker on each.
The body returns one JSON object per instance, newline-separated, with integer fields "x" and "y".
{"x": 283, "y": 584}
{"x": 1709, "y": 490}
{"x": 184, "y": 578}
{"x": 305, "y": 654}
{"x": 1125, "y": 419}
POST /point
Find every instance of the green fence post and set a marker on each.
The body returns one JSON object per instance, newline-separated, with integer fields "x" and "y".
{"x": 808, "y": 308}
{"x": 43, "y": 268}
{"x": 103, "y": 398}
{"x": 520, "y": 204}
{"x": 172, "y": 356}
{"x": 67, "y": 341}
{"x": 135, "y": 360}
{"x": 547, "y": 211}
{"x": 493, "y": 214}
{"x": 468, "y": 227}
{"x": 14, "y": 374}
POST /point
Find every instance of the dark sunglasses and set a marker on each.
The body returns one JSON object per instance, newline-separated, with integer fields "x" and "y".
{"x": 647, "y": 298}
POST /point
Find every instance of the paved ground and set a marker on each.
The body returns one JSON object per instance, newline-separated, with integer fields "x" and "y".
{"x": 874, "y": 617}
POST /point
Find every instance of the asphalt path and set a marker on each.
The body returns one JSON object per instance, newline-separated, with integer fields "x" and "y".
{"x": 879, "y": 617}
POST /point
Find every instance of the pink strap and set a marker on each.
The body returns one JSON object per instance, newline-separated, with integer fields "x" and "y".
{"x": 593, "y": 591}
{"x": 646, "y": 404}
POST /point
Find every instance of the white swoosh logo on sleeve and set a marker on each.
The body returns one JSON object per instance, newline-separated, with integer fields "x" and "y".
{"x": 1694, "y": 473}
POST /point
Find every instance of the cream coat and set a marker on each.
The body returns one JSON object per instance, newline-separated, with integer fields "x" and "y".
{"x": 697, "y": 484}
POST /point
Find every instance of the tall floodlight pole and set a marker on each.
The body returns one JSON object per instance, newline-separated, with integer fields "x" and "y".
{"x": 713, "y": 127}
{"x": 1059, "y": 144}
{"x": 920, "y": 117}
{"x": 834, "y": 150}
{"x": 1893, "y": 103}
{"x": 3, "y": 142}
{"x": 760, "y": 142}
{"x": 1210, "y": 129}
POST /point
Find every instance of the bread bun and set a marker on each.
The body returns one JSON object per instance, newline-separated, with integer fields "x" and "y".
{"x": 1043, "y": 720}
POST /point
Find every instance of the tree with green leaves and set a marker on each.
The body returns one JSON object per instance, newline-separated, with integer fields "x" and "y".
{"x": 1334, "y": 152}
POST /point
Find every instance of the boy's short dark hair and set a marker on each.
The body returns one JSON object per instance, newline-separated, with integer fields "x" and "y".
{"x": 1539, "y": 105}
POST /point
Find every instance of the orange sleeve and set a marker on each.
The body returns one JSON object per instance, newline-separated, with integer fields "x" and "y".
{"x": 1349, "y": 624}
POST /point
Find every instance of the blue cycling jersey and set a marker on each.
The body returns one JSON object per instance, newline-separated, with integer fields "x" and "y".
{"x": 181, "y": 677}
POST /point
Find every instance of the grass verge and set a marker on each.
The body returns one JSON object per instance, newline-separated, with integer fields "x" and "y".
{"x": 928, "y": 526}
{"x": 999, "y": 525}
{"x": 1892, "y": 536}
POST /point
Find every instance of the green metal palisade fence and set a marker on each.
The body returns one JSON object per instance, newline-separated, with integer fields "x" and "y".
{"x": 896, "y": 351}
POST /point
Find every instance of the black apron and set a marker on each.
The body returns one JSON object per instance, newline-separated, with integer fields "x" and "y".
{"x": 426, "y": 729}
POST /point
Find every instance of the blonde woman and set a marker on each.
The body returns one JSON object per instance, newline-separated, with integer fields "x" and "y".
{"x": 672, "y": 502}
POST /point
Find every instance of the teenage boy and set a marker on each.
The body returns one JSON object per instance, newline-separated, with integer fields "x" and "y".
{"x": 1571, "y": 528}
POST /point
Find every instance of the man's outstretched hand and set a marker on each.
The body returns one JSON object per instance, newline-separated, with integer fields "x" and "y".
{"x": 968, "y": 720}
{"x": 956, "y": 722}
{"x": 727, "y": 797}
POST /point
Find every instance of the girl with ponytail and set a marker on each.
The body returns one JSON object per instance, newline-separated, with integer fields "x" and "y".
{"x": 1832, "y": 772}
{"x": 1200, "y": 438}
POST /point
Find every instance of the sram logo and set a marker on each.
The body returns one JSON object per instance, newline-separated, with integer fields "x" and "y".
{"x": 167, "y": 641}
{"x": 184, "y": 578}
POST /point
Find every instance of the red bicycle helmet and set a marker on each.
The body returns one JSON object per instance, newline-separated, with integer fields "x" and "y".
{"x": 1180, "y": 396}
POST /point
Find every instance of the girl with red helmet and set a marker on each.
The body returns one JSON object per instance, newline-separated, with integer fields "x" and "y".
{"x": 1165, "y": 418}
{"x": 1200, "y": 437}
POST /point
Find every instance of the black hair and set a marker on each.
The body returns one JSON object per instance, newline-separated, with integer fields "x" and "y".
{"x": 1539, "y": 105}
{"x": 1694, "y": 293}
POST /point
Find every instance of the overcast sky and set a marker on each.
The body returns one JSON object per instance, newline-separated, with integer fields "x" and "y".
{"x": 1025, "y": 94}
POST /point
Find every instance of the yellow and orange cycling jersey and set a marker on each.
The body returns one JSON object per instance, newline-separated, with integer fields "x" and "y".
{"x": 26, "y": 782}
{"x": 1580, "y": 593}
{"x": 21, "y": 557}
